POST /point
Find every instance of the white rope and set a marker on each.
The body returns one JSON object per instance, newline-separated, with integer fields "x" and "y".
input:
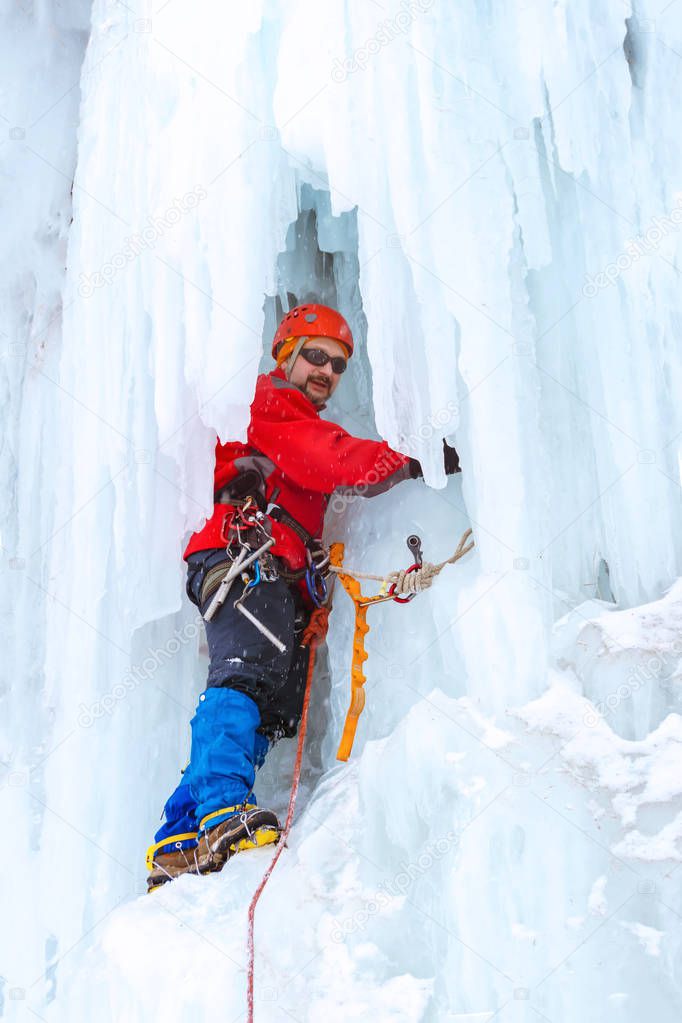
{"x": 409, "y": 583}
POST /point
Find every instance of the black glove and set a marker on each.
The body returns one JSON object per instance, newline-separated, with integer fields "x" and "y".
{"x": 450, "y": 463}
{"x": 450, "y": 459}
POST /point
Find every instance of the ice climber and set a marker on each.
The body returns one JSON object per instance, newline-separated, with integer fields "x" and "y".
{"x": 277, "y": 485}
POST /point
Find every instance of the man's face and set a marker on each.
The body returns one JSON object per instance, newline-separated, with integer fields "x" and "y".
{"x": 318, "y": 383}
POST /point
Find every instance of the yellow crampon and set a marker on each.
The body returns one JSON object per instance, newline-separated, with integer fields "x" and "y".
{"x": 223, "y": 810}
{"x": 170, "y": 841}
{"x": 261, "y": 836}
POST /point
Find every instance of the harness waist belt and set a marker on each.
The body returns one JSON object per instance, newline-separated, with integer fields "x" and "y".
{"x": 280, "y": 514}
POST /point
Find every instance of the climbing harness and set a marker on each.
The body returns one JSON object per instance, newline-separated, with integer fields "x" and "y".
{"x": 317, "y": 557}
{"x": 405, "y": 584}
{"x": 245, "y": 524}
{"x": 239, "y": 565}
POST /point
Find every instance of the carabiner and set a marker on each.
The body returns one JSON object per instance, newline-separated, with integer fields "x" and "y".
{"x": 414, "y": 545}
{"x": 256, "y": 579}
{"x": 404, "y": 600}
{"x": 317, "y": 586}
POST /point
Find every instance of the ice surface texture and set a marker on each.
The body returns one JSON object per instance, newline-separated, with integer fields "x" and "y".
{"x": 492, "y": 197}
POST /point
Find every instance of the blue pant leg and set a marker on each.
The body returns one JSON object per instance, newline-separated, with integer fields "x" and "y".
{"x": 180, "y": 809}
{"x": 225, "y": 749}
{"x": 179, "y": 814}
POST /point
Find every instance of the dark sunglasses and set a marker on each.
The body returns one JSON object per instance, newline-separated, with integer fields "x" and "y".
{"x": 316, "y": 357}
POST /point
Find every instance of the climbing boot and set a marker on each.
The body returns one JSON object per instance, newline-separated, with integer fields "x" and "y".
{"x": 251, "y": 828}
{"x": 168, "y": 860}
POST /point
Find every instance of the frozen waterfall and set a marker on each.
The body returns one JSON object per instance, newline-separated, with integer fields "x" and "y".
{"x": 492, "y": 196}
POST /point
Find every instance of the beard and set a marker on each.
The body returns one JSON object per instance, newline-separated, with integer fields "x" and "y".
{"x": 318, "y": 395}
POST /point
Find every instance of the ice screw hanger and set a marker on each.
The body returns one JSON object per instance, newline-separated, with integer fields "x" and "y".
{"x": 407, "y": 582}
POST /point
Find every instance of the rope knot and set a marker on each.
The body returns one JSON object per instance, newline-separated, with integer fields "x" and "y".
{"x": 409, "y": 583}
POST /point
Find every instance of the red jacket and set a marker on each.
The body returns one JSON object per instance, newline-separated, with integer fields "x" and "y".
{"x": 303, "y": 459}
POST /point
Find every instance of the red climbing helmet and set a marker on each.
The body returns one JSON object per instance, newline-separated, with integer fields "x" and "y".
{"x": 316, "y": 320}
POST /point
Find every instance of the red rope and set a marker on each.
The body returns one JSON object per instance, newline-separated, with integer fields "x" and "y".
{"x": 312, "y": 637}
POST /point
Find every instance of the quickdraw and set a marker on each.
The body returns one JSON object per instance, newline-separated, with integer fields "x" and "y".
{"x": 415, "y": 546}
{"x": 352, "y": 587}
{"x": 360, "y": 655}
